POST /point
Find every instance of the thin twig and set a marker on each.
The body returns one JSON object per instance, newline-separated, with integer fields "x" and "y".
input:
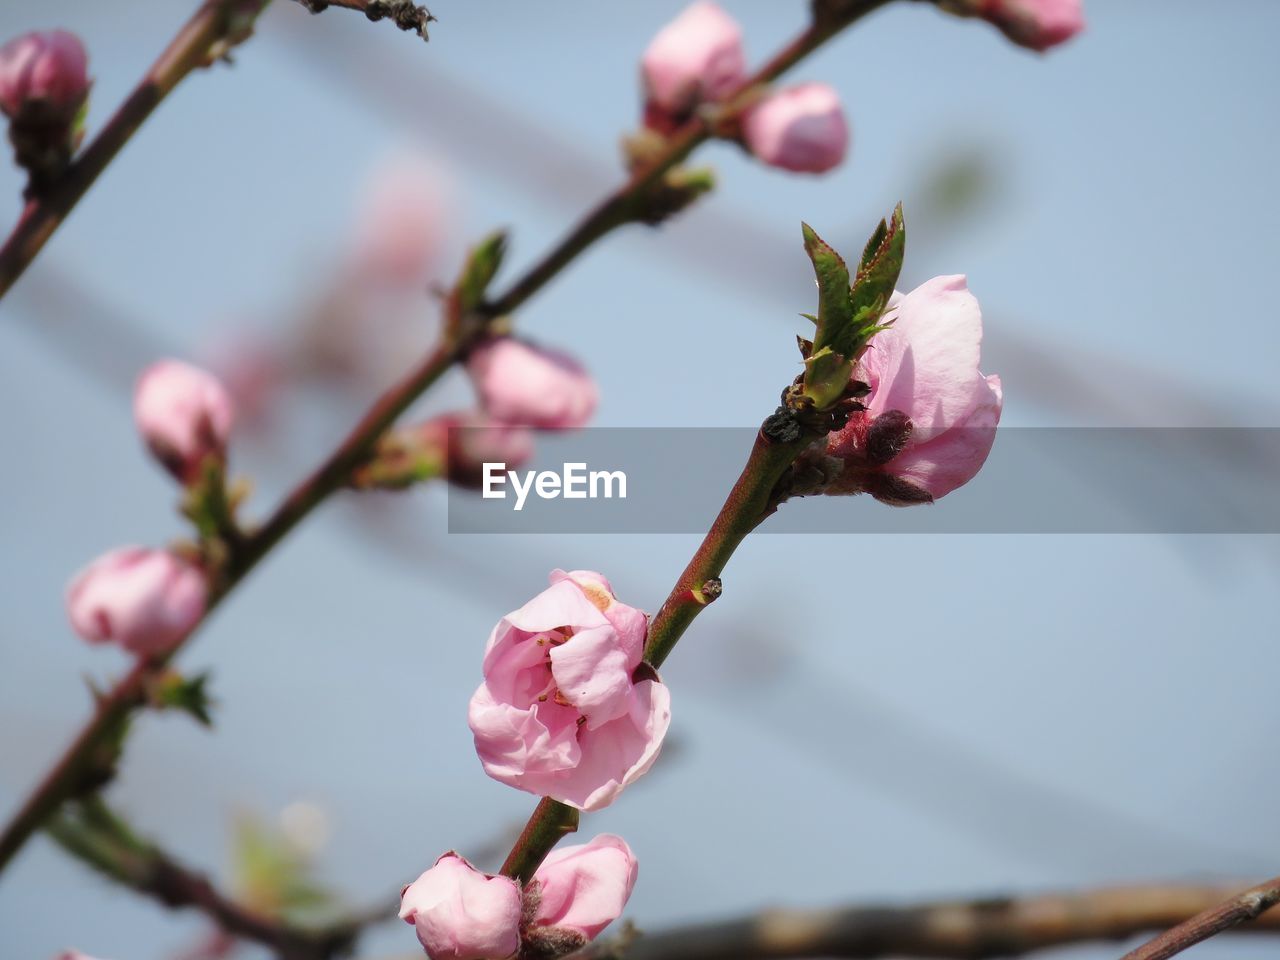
{"x": 403, "y": 13}
{"x": 215, "y": 24}
{"x": 1210, "y": 921}
{"x": 961, "y": 929}
{"x": 102, "y": 839}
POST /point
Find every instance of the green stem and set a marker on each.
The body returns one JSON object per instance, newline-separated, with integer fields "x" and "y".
{"x": 210, "y": 26}
{"x": 550, "y": 822}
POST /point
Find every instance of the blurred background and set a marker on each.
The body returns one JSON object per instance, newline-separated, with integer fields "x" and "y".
{"x": 889, "y": 718}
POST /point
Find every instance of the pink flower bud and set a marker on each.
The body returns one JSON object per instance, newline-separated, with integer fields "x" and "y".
{"x": 73, "y": 955}
{"x": 695, "y": 58}
{"x": 584, "y": 888}
{"x": 566, "y": 710}
{"x": 931, "y": 415}
{"x": 1038, "y": 24}
{"x": 145, "y": 600}
{"x": 470, "y": 440}
{"x": 527, "y": 386}
{"x": 800, "y": 128}
{"x": 462, "y": 914}
{"x": 48, "y": 68}
{"x": 184, "y": 414}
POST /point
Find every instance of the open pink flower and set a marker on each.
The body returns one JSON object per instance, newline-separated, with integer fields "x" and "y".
{"x": 566, "y": 709}
{"x": 528, "y": 386}
{"x": 931, "y": 415}
{"x": 695, "y": 58}
{"x": 145, "y": 600}
{"x": 584, "y": 888}
{"x": 46, "y": 68}
{"x": 1037, "y": 24}
{"x": 460, "y": 913}
{"x": 184, "y": 414}
{"x": 801, "y": 128}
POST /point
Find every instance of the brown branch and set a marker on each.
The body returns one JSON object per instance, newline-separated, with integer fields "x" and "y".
{"x": 214, "y": 25}
{"x": 961, "y": 929}
{"x": 101, "y": 839}
{"x": 1211, "y": 921}
{"x": 403, "y": 13}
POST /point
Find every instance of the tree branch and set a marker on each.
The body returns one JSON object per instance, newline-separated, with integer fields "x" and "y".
{"x": 960, "y": 930}
{"x": 214, "y": 26}
{"x": 103, "y": 840}
{"x": 403, "y": 13}
{"x": 1211, "y": 921}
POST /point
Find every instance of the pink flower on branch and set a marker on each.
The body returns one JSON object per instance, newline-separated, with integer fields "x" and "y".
{"x": 695, "y": 58}
{"x": 184, "y": 414}
{"x": 145, "y": 600}
{"x": 47, "y": 71}
{"x": 580, "y": 890}
{"x": 1037, "y": 24}
{"x": 567, "y": 709}
{"x": 931, "y": 416}
{"x": 460, "y": 913}
{"x": 801, "y": 128}
{"x": 528, "y": 386}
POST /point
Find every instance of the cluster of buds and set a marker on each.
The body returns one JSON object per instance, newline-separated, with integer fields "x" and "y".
{"x": 148, "y": 600}
{"x": 460, "y": 913}
{"x": 697, "y": 60}
{"x": 44, "y": 86}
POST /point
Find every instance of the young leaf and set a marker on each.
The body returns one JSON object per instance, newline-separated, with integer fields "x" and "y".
{"x": 482, "y": 266}
{"x": 835, "y": 308}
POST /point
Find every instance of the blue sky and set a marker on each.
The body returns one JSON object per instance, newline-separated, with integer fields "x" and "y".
{"x": 937, "y": 715}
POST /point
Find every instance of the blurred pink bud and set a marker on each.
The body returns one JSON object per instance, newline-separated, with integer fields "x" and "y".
{"x": 470, "y": 440}
{"x": 1038, "y": 24}
{"x": 584, "y": 888}
{"x": 800, "y": 128}
{"x": 145, "y": 600}
{"x": 184, "y": 414}
{"x": 931, "y": 415}
{"x": 47, "y": 68}
{"x": 566, "y": 709}
{"x": 401, "y": 222}
{"x": 462, "y": 914}
{"x": 531, "y": 387}
{"x": 251, "y": 369}
{"x": 695, "y": 58}
{"x": 73, "y": 955}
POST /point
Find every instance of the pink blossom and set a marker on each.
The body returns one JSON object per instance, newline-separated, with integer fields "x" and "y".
{"x": 566, "y": 709}
{"x": 462, "y": 914}
{"x": 49, "y": 68}
{"x": 73, "y": 955}
{"x": 531, "y": 387}
{"x": 470, "y": 440}
{"x": 1038, "y": 24}
{"x": 145, "y": 600}
{"x": 401, "y": 222}
{"x": 184, "y": 414}
{"x": 800, "y": 128}
{"x": 584, "y": 888}
{"x": 696, "y": 57}
{"x": 931, "y": 415}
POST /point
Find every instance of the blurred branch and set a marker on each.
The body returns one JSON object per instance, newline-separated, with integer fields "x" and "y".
{"x": 90, "y": 757}
{"x": 403, "y": 13}
{"x": 961, "y": 929}
{"x": 1210, "y": 922}
{"x": 214, "y": 28}
{"x": 101, "y": 838}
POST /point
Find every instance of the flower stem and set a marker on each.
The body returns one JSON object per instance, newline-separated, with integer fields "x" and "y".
{"x": 550, "y": 822}
{"x": 214, "y": 23}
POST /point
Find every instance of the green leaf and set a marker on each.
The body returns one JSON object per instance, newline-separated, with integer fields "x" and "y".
{"x": 190, "y": 695}
{"x": 878, "y": 275}
{"x": 482, "y": 266}
{"x": 835, "y": 307}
